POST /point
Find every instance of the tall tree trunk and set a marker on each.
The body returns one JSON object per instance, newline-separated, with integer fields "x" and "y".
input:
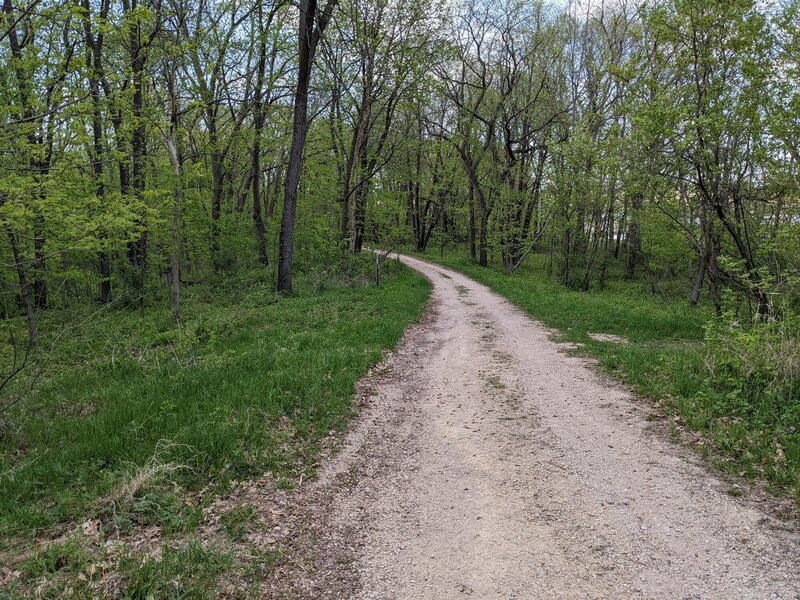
{"x": 484, "y": 258}
{"x": 621, "y": 227}
{"x": 137, "y": 249}
{"x": 258, "y": 125}
{"x": 94, "y": 66}
{"x": 359, "y": 219}
{"x": 272, "y": 200}
{"x": 25, "y": 289}
{"x": 217, "y": 188}
{"x": 699, "y": 278}
{"x": 356, "y": 191}
{"x": 310, "y": 30}
{"x": 566, "y": 249}
{"x": 39, "y": 270}
{"x": 533, "y": 204}
{"x": 472, "y": 251}
{"x": 742, "y": 243}
{"x": 634, "y": 237}
{"x": 177, "y": 199}
{"x": 37, "y": 162}
{"x": 347, "y": 179}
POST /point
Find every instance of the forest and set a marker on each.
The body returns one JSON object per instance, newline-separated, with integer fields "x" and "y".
{"x": 177, "y": 176}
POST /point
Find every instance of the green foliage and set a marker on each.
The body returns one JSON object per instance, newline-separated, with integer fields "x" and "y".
{"x": 754, "y": 376}
{"x": 651, "y": 153}
{"x": 69, "y": 556}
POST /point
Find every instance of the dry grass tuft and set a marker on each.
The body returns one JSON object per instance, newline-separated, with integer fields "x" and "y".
{"x": 154, "y": 472}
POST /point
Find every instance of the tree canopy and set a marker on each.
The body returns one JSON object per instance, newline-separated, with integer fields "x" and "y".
{"x": 149, "y": 143}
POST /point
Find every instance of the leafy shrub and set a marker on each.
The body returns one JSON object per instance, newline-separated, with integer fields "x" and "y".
{"x": 349, "y": 271}
{"x": 762, "y": 360}
{"x": 755, "y": 374}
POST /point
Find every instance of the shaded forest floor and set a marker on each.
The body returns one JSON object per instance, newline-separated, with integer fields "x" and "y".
{"x": 131, "y": 427}
{"x": 648, "y": 336}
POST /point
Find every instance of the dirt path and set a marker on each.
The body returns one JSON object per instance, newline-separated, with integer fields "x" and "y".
{"x": 489, "y": 464}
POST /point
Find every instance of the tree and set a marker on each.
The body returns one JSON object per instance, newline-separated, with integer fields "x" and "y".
{"x": 311, "y": 26}
{"x": 719, "y": 53}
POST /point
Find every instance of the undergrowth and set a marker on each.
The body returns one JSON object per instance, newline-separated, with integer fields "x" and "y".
{"x": 131, "y": 416}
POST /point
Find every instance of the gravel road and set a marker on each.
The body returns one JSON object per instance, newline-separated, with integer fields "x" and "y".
{"x": 488, "y": 463}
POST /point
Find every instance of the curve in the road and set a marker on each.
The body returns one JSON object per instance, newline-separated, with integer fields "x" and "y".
{"x": 490, "y": 464}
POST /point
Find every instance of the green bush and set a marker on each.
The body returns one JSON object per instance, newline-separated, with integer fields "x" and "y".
{"x": 755, "y": 371}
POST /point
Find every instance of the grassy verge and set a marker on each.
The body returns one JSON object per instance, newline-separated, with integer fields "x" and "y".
{"x": 666, "y": 360}
{"x": 133, "y": 413}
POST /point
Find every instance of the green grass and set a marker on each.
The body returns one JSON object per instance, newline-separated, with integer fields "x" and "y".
{"x": 236, "y": 521}
{"x": 189, "y": 572}
{"x": 130, "y": 407}
{"x": 754, "y": 435}
{"x": 69, "y": 556}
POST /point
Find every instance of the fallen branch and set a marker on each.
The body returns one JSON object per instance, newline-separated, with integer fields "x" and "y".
{"x": 529, "y": 250}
